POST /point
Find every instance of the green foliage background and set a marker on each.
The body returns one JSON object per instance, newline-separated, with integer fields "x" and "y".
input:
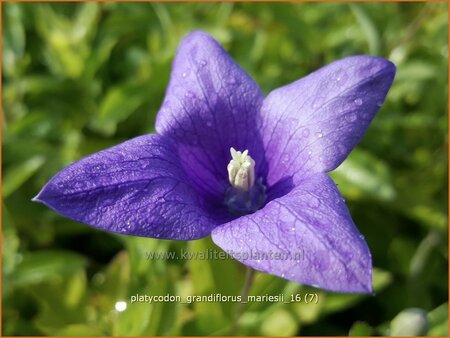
{"x": 80, "y": 77}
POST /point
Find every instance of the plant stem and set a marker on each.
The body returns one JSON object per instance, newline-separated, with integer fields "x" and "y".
{"x": 249, "y": 274}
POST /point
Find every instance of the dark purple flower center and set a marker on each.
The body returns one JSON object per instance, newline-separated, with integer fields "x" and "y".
{"x": 245, "y": 194}
{"x": 241, "y": 202}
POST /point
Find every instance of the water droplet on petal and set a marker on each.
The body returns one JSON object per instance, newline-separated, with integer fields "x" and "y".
{"x": 379, "y": 103}
{"x": 202, "y": 63}
{"x": 214, "y": 98}
{"x": 351, "y": 117}
{"x": 365, "y": 116}
{"x": 342, "y": 149}
{"x": 189, "y": 95}
{"x": 319, "y": 134}
{"x": 341, "y": 76}
{"x": 232, "y": 80}
{"x": 313, "y": 202}
{"x": 286, "y": 158}
{"x": 186, "y": 73}
{"x": 358, "y": 101}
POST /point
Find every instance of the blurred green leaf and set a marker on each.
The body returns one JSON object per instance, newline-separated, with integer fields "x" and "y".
{"x": 279, "y": 323}
{"x": 119, "y": 103}
{"x": 361, "y": 174}
{"x": 213, "y": 276}
{"x": 10, "y": 246}
{"x": 361, "y": 329}
{"x": 19, "y": 174}
{"x": 438, "y": 321}
{"x": 36, "y": 267}
{"x": 367, "y": 26}
{"x": 409, "y": 322}
{"x": 13, "y": 48}
{"x": 61, "y": 300}
{"x": 334, "y": 302}
{"x": 79, "y": 330}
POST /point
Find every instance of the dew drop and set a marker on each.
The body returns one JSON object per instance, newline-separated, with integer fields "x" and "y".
{"x": 232, "y": 80}
{"x": 214, "y": 98}
{"x": 379, "y": 103}
{"x": 282, "y": 275}
{"x": 189, "y": 95}
{"x": 365, "y": 116}
{"x": 351, "y": 117}
{"x": 342, "y": 149}
{"x": 202, "y": 63}
{"x": 292, "y": 229}
{"x": 319, "y": 134}
{"x": 341, "y": 76}
{"x": 285, "y": 158}
{"x": 358, "y": 101}
{"x": 313, "y": 202}
{"x": 186, "y": 73}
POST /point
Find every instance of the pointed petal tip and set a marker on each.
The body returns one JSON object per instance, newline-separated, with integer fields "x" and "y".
{"x": 37, "y": 198}
{"x": 198, "y": 36}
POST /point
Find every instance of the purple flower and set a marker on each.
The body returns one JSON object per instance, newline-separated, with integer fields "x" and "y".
{"x": 269, "y": 203}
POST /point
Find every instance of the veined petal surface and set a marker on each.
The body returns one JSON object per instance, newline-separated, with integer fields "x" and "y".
{"x": 135, "y": 188}
{"x": 312, "y": 124}
{"x": 211, "y": 105}
{"x": 312, "y": 234}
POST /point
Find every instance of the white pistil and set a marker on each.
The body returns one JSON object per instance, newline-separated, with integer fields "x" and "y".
{"x": 241, "y": 170}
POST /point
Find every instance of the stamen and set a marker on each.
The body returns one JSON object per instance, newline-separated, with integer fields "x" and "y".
{"x": 241, "y": 170}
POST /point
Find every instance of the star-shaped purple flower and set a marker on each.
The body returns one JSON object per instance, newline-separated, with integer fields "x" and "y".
{"x": 269, "y": 203}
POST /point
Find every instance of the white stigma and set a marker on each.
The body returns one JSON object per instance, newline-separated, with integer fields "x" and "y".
{"x": 241, "y": 170}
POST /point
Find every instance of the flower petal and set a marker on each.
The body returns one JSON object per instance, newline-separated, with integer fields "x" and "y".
{"x": 135, "y": 188}
{"x": 311, "y": 230}
{"x": 211, "y": 105}
{"x": 311, "y": 125}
